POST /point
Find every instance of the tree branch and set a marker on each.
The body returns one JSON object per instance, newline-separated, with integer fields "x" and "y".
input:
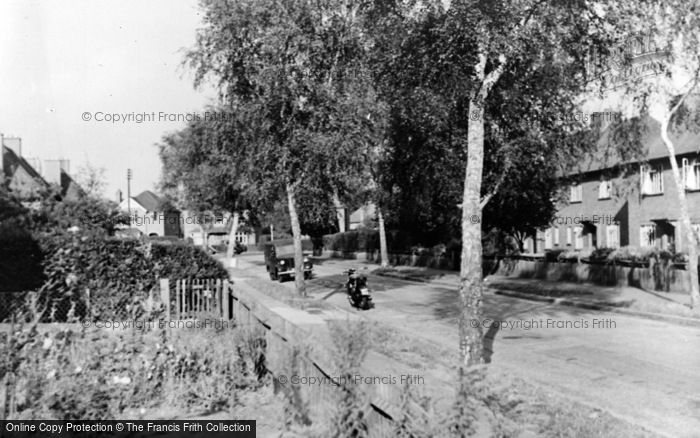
{"x": 694, "y": 83}
{"x": 485, "y": 200}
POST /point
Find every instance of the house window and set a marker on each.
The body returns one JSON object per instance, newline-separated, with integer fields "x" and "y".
{"x": 576, "y": 193}
{"x": 568, "y": 236}
{"x": 613, "y": 236}
{"x": 652, "y": 180}
{"x": 578, "y": 237}
{"x": 691, "y": 174}
{"x": 555, "y": 231}
{"x": 604, "y": 189}
{"x": 548, "y": 238}
{"x": 647, "y": 235}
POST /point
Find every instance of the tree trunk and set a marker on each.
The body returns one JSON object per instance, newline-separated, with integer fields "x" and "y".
{"x": 383, "y": 251}
{"x": 204, "y": 236}
{"x": 339, "y": 211}
{"x": 298, "y": 253}
{"x": 684, "y": 218}
{"x": 470, "y": 282}
{"x": 230, "y": 251}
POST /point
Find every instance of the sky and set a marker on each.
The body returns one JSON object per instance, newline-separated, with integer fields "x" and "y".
{"x": 64, "y": 62}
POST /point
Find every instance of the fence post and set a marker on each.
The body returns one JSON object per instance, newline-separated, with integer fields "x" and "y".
{"x": 225, "y": 291}
{"x": 165, "y": 295}
{"x": 178, "y": 305}
{"x": 87, "y": 302}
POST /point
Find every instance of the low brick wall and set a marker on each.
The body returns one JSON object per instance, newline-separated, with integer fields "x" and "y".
{"x": 441, "y": 261}
{"x": 657, "y": 277}
{"x": 295, "y": 350}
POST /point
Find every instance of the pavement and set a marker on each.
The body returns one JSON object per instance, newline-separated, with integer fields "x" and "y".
{"x": 645, "y": 371}
{"x": 664, "y": 306}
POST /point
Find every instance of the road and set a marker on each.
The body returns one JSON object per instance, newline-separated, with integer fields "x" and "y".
{"x": 644, "y": 371}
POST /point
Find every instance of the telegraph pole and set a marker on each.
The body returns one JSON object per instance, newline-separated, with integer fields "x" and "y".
{"x": 128, "y": 194}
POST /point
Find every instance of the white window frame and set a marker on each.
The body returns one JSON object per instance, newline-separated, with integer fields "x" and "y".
{"x": 578, "y": 237}
{"x": 556, "y": 236}
{"x": 651, "y": 180}
{"x": 691, "y": 174}
{"x": 576, "y": 193}
{"x": 604, "y": 189}
{"x": 569, "y": 240}
{"x": 612, "y": 236}
{"x": 647, "y": 232}
{"x": 548, "y": 238}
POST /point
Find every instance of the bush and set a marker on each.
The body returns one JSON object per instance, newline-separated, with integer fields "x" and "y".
{"x": 552, "y": 255}
{"x": 601, "y": 254}
{"x": 118, "y": 273}
{"x": 20, "y": 259}
{"x": 63, "y": 375}
{"x": 185, "y": 261}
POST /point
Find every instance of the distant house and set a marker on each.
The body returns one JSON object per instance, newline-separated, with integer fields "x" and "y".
{"x": 152, "y": 215}
{"x": 25, "y": 180}
{"x": 648, "y": 216}
{"x": 217, "y": 228}
{"x": 363, "y": 216}
{"x": 19, "y": 176}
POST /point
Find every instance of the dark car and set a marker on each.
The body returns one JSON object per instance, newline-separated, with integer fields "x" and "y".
{"x": 279, "y": 261}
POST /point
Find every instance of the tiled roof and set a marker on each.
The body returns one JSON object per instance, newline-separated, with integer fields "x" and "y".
{"x": 11, "y": 161}
{"x": 149, "y": 200}
{"x": 646, "y": 136}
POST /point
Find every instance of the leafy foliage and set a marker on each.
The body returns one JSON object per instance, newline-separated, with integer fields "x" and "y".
{"x": 63, "y": 375}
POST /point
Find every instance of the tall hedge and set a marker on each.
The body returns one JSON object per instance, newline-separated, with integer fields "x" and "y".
{"x": 20, "y": 259}
{"x": 118, "y": 273}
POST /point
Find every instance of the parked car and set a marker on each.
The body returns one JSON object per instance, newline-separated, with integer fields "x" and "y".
{"x": 279, "y": 261}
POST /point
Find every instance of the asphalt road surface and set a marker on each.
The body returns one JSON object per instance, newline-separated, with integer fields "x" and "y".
{"x": 644, "y": 371}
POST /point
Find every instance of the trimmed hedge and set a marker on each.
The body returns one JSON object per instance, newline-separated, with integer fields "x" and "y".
{"x": 118, "y": 273}
{"x": 352, "y": 241}
{"x": 185, "y": 261}
{"x": 20, "y": 259}
{"x": 624, "y": 255}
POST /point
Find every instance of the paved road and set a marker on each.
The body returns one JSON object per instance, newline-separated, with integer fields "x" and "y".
{"x": 647, "y": 372}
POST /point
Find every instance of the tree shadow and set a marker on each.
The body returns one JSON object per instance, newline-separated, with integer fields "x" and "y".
{"x": 444, "y": 306}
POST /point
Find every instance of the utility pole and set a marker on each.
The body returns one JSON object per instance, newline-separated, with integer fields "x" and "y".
{"x": 128, "y": 194}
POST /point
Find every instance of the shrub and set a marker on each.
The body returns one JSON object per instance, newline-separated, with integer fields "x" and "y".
{"x": 364, "y": 240}
{"x": 185, "y": 261}
{"x": 601, "y": 254}
{"x": 568, "y": 256}
{"x": 63, "y": 375}
{"x": 118, "y": 273}
{"x": 552, "y": 255}
{"x": 20, "y": 258}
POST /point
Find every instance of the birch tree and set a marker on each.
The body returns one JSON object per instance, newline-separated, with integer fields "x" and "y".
{"x": 289, "y": 63}
{"x": 454, "y": 57}
{"x": 668, "y": 32}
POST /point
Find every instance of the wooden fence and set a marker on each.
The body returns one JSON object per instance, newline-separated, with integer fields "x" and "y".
{"x": 196, "y": 298}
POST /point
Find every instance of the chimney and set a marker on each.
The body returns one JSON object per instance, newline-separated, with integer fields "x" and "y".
{"x": 2, "y": 158}
{"x": 119, "y": 197}
{"x": 52, "y": 170}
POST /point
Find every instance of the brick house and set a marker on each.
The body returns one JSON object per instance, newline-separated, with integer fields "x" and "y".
{"x": 647, "y": 212}
{"x": 152, "y": 215}
{"x": 28, "y": 178}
